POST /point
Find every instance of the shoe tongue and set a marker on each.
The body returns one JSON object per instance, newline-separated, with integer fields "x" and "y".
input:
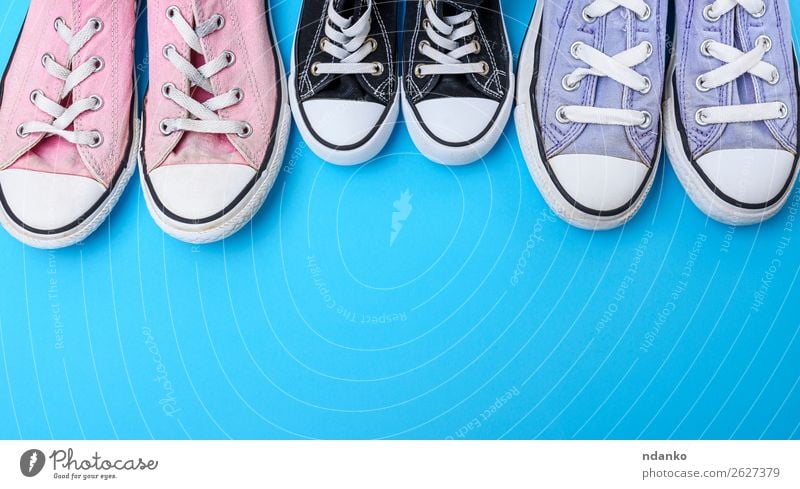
{"x": 347, "y": 86}
{"x": 755, "y": 134}
{"x": 466, "y": 4}
{"x": 53, "y": 155}
{"x": 455, "y": 85}
{"x": 201, "y": 148}
{"x": 351, "y": 8}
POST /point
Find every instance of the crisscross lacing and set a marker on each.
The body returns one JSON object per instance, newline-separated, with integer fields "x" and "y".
{"x": 737, "y": 64}
{"x": 619, "y": 68}
{"x": 713, "y": 12}
{"x": 204, "y": 115}
{"x": 348, "y": 41}
{"x": 65, "y": 116}
{"x": 448, "y": 49}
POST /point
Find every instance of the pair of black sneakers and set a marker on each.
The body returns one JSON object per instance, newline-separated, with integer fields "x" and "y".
{"x": 451, "y": 70}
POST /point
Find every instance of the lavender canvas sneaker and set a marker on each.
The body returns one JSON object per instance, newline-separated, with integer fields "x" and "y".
{"x": 68, "y": 125}
{"x": 588, "y": 110}
{"x": 732, "y": 107}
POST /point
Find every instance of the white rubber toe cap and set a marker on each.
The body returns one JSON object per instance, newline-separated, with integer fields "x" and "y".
{"x": 600, "y": 183}
{"x": 49, "y": 201}
{"x": 750, "y": 176}
{"x": 199, "y": 191}
{"x": 457, "y": 120}
{"x": 342, "y": 123}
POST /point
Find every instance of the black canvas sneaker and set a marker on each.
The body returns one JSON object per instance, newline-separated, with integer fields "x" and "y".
{"x": 458, "y": 84}
{"x": 343, "y": 87}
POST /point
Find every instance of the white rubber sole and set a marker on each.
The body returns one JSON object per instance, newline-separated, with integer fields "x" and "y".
{"x": 523, "y": 115}
{"x": 458, "y": 155}
{"x": 703, "y": 197}
{"x": 243, "y": 212}
{"x": 97, "y": 218}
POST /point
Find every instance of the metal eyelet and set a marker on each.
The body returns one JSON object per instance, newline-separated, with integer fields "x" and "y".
{"x": 55, "y": 23}
{"x": 700, "y": 83}
{"x": 761, "y": 12}
{"x": 35, "y": 95}
{"x": 477, "y": 46}
{"x": 373, "y": 44}
{"x": 96, "y": 24}
{"x": 700, "y": 118}
{"x": 172, "y": 11}
{"x": 230, "y": 58}
{"x": 648, "y": 85}
{"x": 377, "y": 68}
{"x": 649, "y": 48}
{"x": 246, "y": 131}
{"x": 46, "y": 57}
{"x": 97, "y": 139}
{"x": 561, "y": 115}
{"x": 784, "y": 110}
{"x": 426, "y": 24}
{"x": 775, "y": 78}
{"x": 418, "y": 71}
{"x": 422, "y": 45}
{"x": 238, "y": 93}
{"x": 575, "y": 49}
{"x": 765, "y": 41}
{"x": 219, "y": 20}
{"x": 705, "y": 47}
{"x": 646, "y": 14}
{"x": 164, "y": 128}
{"x": 166, "y": 50}
{"x": 166, "y": 89}
{"x": 587, "y": 18}
{"x": 21, "y": 132}
{"x": 323, "y": 43}
{"x": 98, "y": 63}
{"x": 485, "y": 68}
{"x": 314, "y": 69}
{"x": 98, "y": 102}
{"x": 570, "y": 87}
{"x": 648, "y": 120}
{"x": 707, "y": 14}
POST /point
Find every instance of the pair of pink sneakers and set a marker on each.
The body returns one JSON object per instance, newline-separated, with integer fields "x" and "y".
{"x": 215, "y": 123}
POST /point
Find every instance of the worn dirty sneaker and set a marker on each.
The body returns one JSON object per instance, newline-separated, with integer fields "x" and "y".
{"x": 458, "y": 86}
{"x": 732, "y": 107}
{"x": 216, "y": 117}
{"x": 591, "y": 81}
{"x": 343, "y": 86}
{"x": 68, "y": 124}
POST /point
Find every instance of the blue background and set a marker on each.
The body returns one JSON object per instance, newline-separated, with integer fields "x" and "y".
{"x": 485, "y": 317}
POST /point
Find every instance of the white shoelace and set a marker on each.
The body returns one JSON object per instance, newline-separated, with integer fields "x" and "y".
{"x": 65, "y": 116}
{"x": 737, "y": 64}
{"x": 205, "y": 118}
{"x": 447, "y": 34}
{"x": 619, "y": 68}
{"x": 348, "y": 41}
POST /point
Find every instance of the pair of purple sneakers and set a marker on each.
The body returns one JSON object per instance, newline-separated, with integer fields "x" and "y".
{"x": 216, "y": 118}
{"x": 593, "y": 76}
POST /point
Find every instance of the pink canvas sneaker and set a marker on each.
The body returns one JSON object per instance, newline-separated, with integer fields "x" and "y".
{"x": 68, "y": 127}
{"x": 216, "y": 116}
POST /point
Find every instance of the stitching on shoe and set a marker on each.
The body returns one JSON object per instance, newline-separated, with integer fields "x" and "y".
{"x": 499, "y": 92}
{"x": 311, "y": 87}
